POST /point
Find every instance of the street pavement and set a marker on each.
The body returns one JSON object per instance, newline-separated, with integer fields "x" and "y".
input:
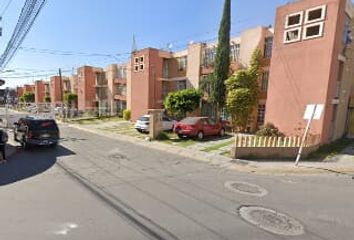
{"x": 96, "y": 187}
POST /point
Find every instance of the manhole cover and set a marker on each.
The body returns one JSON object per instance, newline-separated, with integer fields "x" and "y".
{"x": 246, "y": 188}
{"x": 117, "y": 156}
{"x": 271, "y": 221}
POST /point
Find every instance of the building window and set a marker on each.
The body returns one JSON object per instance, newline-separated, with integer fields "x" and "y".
{"x": 182, "y": 63}
{"x": 121, "y": 72}
{"x": 268, "y": 47}
{"x": 261, "y": 114}
{"x": 264, "y": 81}
{"x": 292, "y": 35}
{"x": 139, "y": 64}
{"x": 181, "y": 85}
{"x": 294, "y": 20}
{"x": 235, "y": 52}
{"x": 315, "y": 14}
{"x": 165, "y": 69}
{"x": 313, "y": 31}
{"x": 121, "y": 89}
{"x": 209, "y": 56}
{"x": 136, "y": 68}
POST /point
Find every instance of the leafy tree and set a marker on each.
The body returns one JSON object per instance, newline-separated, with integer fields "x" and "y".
{"x": 181, "y": 102}
{"x": 222, "y": 60}
{"x": 242, "y": 92}
{"x": 28, "y": 97}
{"x": 22, "y": 99}
{"x": 70, "y": 99}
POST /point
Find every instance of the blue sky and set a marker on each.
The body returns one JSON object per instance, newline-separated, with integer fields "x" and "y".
{"x": 107, "y": 27}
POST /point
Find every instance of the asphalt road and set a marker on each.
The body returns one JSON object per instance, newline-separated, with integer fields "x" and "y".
{"x": 92, "y": 187}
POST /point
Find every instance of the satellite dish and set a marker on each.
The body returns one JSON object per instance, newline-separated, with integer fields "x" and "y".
{"x": 191, "y": 42}
{"x": 2, "y": 82}
{"x": 170, "y": 46}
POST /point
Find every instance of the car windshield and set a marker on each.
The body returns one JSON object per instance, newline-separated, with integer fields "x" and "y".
{"x": 144, "y": 119}
{"x": 190, "y": 120}
{"x": 43, "y": 124}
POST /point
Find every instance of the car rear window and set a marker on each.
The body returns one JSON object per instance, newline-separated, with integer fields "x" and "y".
{"x": 43, "y": 124}
{"x": 144, "y": 119}
{"x": 190, "y": 120}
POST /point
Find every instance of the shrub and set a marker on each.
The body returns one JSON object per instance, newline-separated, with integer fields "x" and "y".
{"x": 127, "y": 114}
{"x": 269, "y": 130}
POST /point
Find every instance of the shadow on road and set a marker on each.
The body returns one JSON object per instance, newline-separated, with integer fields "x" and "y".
{"x": 26, "y": 164}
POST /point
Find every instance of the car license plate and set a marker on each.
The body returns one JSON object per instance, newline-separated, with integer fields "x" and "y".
{"x": 44, "y": 142}
{"x": 45, "y": 135}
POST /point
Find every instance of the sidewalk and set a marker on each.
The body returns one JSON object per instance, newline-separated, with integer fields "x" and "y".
{"x": 341, "y": 164}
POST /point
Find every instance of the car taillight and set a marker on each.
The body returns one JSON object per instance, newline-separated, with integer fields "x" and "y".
{"x": 29, "y": 135}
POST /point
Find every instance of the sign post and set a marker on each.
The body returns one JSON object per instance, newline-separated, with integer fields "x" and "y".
{"x": 312, "y": 112}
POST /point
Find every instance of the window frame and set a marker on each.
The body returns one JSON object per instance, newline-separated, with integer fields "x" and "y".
{"x": 295, "y": 40}
{"x": 301, "y": 13}
{"x": 323, "y": 14}
{"x": 321, "y": 24}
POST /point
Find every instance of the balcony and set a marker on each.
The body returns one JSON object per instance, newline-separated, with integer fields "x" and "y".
{"x": 120, "y": 81}
{"x": 120, "y": 96}
{"x": 206, "y": 69}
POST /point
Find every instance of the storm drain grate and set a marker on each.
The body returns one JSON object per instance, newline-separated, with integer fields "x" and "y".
{"x": 246, "y": 188}
{"x": 271, "y": 221}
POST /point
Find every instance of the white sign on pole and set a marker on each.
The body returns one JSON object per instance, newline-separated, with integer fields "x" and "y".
{"x": 312, "y": 112}
{"x": 309, "y": 112}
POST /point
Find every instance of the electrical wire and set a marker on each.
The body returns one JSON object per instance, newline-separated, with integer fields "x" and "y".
{"x": 6, "y": 8}
{"x": 28, "y": 15}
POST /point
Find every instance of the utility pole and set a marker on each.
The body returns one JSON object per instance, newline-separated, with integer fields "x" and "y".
{"x": 61, "y": 90}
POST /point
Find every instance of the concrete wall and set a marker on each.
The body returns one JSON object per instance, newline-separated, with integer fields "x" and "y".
{"x": 269, "y": 152}
{"x": 55, "y": 91}
{"x": 39, "y": 92}
{"x": 87, "y": 87}
{"x": 193, "y": 64}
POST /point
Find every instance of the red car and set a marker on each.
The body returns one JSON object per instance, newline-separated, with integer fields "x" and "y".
{"x": 199, "y": 127}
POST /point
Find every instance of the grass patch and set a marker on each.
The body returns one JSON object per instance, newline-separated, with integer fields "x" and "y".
{"x": 332, "y": 149}
{"x": 218, "y": 146}
{"x": 95, "y": 120}
{"x": 173, "y": 139}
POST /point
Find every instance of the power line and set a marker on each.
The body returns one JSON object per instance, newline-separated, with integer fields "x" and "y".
{"x": 5, "y": 8}
{"x": 29, "y": 13}
{"x": 70, "y": 53}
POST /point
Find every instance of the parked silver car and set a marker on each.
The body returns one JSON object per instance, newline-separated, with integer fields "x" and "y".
{"x": 143, "y": 124}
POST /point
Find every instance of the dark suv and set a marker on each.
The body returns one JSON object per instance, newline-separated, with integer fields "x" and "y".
{"x": 32, "y": 131}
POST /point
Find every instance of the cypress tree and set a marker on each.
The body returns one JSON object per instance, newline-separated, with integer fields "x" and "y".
{"x": 222, "y": 61}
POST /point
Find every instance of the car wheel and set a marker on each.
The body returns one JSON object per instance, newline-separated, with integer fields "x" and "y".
{"x": 180, "y": 136}
{"x": 200, "y": 135}
{"x": 54, "y": 145}
{"x": 222, "y": 132}
{"x": 24, "y": 145}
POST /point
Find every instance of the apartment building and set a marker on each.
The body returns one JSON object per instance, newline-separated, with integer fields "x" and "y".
{"x": 154, "y": 73}
{"x": 92, "y": 89}
{"x": 29, "y": 88}
{"x": 312, "y": 63}
{"x": 56, "y": 91}
{"x": 20, "y": 91}
{"x": 40, "y": 91}
{"x": 117, "y": 75}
